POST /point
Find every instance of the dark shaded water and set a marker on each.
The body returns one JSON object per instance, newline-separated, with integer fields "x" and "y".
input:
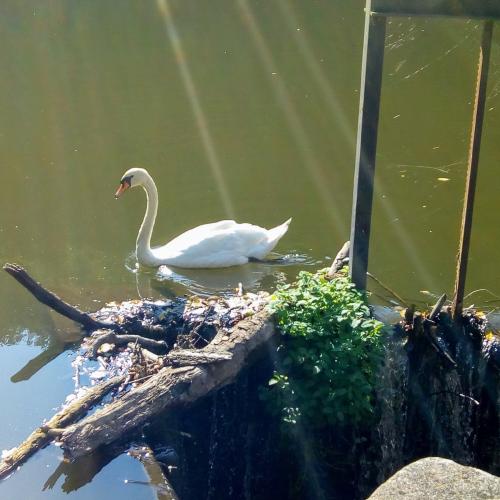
{"x": 240, "y": 109}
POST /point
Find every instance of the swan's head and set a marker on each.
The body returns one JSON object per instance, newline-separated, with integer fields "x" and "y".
{"x": 133, "y": 177}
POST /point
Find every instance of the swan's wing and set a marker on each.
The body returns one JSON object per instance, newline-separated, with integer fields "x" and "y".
{"x": 217, "y": 226}
{"x": 213, "y": 245}
{"x": 197, "y": 235}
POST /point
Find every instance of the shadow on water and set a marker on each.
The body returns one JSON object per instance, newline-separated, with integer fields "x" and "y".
{"x": 252, "y": 277}
{"x": 50, "y": 352}
{"x": 72, "y": 476}
{"x": 82, "y": 471}
{"x": 47, "y": 339}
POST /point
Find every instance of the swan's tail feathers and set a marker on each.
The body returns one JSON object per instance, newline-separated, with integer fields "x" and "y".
{"x": 276, "y": 233}
{"x": 269, "y": 241}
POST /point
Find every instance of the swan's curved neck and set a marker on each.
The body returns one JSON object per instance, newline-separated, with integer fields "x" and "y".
{"x": 143, "y": 245}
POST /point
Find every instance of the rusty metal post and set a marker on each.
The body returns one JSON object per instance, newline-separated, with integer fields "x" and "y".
{"x": 472, "y": 168}
{"x": 366, "y": 147}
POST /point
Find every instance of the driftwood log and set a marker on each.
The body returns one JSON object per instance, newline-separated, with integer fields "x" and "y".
{"x": 171, "y": 387}
{"x": 88, "y": 322}
{"x": 190, "y": 357}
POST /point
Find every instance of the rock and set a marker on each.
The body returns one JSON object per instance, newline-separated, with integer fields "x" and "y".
{"x": 438, "y": 478}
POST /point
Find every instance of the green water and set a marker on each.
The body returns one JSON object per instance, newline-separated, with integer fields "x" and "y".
{"x": 241, "y": 109}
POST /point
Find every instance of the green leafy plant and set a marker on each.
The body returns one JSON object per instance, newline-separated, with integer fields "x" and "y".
{"x": 331, "y": 349}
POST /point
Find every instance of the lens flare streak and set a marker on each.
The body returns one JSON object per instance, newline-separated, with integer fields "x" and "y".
{"x": 296, "y": 128}
{"x": 195, "y": 103}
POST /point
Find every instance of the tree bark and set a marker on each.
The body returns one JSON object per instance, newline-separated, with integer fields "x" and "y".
{"x": 190, "y": 357}
{"x": 45, "y": 433}
{"x": 111, "y": 337}
{"x": 88, "y": 322}
{"x": 171, "y": 387}
{"x": 340, "y": 260}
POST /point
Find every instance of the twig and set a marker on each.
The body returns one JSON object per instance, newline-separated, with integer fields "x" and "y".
{"x": 385, "y": 287}
{"x": 339, "y": 261}
{"x": 113, "y": 338}
{"x": 481, "y": 290}
{"x": 493, "y": 311}
{"x": 194, "y": 332}
{"x": 475, "y": 401}
{"x": 141, "y": 379}
{"x": 437, "y": 308}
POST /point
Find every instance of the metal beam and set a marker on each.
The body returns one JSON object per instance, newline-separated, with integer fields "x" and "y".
{"x": 366, "y": 147}
{"x": 479, "y": 9}
{"x": 470, "y": 186}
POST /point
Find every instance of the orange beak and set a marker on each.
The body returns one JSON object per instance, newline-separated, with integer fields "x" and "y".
{"x": 122, "y": 188}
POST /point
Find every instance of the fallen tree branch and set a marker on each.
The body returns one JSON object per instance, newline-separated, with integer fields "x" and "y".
{"x": 385, "y": 287}
{"x": 42, "y": 436}
{"x": 437, "y": 308}
{"x": 151, "y": 357}
{"x": 170, "y": 387}
{"x": 118, "y": 340}
{"x": 190, "y": 357}
{"x": 54, "y": 348}
{"x": 341, "y": 259}
{"x": 53, "y": 301}
{"x": 71, "y": 312}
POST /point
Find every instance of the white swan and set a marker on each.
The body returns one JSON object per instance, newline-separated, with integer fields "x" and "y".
{"x": 220, "y": 244}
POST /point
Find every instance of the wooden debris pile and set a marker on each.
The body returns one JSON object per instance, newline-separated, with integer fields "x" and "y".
{"x": 448, "y": 336}
{"x": 450, "y": 390}
{"x": 187, "y": 324}
{"x": 155, "y": 355}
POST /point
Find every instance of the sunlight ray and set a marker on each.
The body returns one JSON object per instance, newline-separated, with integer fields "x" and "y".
{"x": 196, "y": 107}
{"x": 317, "y": 73}
{"x": 405, "y": 238}
{"x": 299, "y": 431}
{"x": 295, "y": 125}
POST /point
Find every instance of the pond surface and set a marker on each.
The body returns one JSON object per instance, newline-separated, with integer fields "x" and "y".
{"x": 244, "y": 110}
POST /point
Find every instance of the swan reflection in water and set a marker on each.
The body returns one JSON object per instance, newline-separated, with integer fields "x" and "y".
{"x": 253, "y": 277}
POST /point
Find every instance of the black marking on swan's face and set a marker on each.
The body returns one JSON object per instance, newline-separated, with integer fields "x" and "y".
{"x": 127, "y": 181}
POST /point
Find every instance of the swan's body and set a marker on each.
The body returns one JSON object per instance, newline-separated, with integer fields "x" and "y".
{"x": 220, "y": 244}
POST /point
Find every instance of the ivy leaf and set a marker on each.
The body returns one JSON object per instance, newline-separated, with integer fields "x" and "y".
{"x": 330, "y": 352}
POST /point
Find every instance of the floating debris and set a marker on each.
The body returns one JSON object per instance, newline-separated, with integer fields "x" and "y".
{"x": 5, "y": 453}
{"x": 193, "y": 322}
